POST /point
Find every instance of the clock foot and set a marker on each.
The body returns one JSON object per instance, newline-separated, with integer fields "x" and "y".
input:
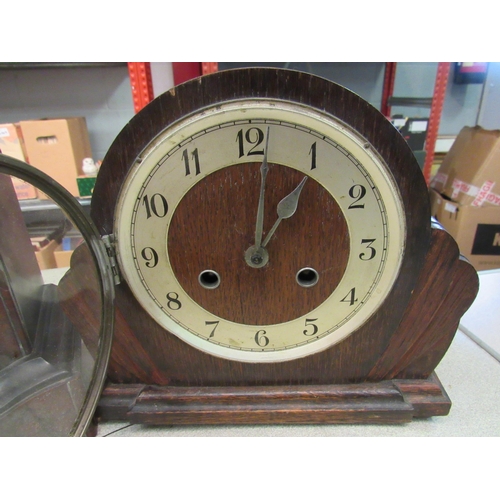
{"x": 386, "y": 402}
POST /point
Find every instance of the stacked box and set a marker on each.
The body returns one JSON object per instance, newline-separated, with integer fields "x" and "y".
{"x": 58, "y": 147}
{"x": 11, "y": 144}
{"x": 465, "y": 195}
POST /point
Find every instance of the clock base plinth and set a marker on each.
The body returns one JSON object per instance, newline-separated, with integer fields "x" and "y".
{"x": 387, "y": 402}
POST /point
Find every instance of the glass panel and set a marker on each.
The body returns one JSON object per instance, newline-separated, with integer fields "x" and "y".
{"x": 51, "y": 315}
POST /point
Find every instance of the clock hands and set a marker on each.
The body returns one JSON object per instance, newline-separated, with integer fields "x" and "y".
{"x": 260, "y": 209}
{"x": 286, "y": 208}
{"x": 257, "y": 256}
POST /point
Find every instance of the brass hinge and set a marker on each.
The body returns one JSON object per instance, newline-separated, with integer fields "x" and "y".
{"x": 109, "y": 243}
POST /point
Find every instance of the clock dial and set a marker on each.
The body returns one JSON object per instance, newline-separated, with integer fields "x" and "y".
{"x": 260, "y": 230}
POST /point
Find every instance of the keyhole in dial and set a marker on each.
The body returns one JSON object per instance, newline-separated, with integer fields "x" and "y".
{"x": 209, "y": 279}
{"x": 307, "y": 277}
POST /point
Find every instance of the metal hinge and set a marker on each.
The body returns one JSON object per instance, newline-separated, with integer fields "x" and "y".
{"x": 109, "y": 243}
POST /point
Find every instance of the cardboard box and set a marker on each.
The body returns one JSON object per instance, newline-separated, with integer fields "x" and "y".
{"x": 53, "y": 256}
{"x": 58, "y": 147}
{"x": 45, "y": 256}
{"x": 464, "y": 195}
{"x": 470, "y": 172}
{"x": 63, "y": 257}
{"x": 24, "y": 190}
{"x": 11, "y": 141}
{"x": 475, "y": 229}
{"x": 11, "y": 144}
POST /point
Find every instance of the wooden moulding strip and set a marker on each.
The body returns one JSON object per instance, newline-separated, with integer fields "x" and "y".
{"x": 385, "y": 402}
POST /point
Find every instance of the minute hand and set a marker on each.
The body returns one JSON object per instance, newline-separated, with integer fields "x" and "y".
{"x": 286, "y": 208}
{"x": 260, "y": 209}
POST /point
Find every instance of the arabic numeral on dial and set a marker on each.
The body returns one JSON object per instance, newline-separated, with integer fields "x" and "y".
{"x": 187, "y": 161}
{"x": 350, "y": 298}
{"x": 312, "y": 152}
{"x": 313, "y": 330}
{"x": 357, "y": 193}
{"x": 156, "y": 205}
{"x": 209, "y": 323}
{"x": 254, "y": 137}
{"x": 150, "y": 255}
{"x": 173, "y": 301}
{"x": 261, "y": 339}
{"x": 368, "y": 255}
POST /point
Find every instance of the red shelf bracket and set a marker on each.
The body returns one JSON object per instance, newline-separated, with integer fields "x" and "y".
{"x": 443, "y": 72}
{"x": 388, "y": 88}
{"x": 209, "y": 67}
{"x": 141, "y": 83}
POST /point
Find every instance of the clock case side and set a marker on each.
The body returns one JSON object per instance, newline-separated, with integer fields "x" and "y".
{"x": 144, "y": 353}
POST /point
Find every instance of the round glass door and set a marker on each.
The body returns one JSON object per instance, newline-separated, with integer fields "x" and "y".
{"x": 56, "y": 307}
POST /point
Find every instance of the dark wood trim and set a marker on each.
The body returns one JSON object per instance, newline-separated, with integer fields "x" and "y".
{"x": 387, "y": 402}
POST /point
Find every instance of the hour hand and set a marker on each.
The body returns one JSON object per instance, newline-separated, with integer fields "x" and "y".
{"x": 286, "y": 208}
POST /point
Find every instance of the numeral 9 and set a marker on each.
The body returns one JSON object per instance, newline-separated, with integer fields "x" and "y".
{"x": 150, "y": 255}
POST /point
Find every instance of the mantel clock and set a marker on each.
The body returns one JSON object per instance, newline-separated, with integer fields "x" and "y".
{"x": 275, "y": 259}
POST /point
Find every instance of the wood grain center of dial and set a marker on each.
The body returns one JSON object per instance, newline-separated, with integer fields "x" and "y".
{"x": 214, "y": 224}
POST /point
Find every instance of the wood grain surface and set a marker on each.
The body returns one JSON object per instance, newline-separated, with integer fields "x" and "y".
{"x": 386, "y": 402}
{"x": 215, "y": 223}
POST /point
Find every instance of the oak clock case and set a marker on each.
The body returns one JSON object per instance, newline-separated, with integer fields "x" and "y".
{"x": 55, "y": 334}
{"x": 278, "y": 262}
{"x": 274, "y": 319}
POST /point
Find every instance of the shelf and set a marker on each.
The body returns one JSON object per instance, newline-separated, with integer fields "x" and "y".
{"x": 43, "y": 216}
{"x": 410, "y": 101}
{"x": 42, "y": 205}
{"x": 57, "y": 65}
{"x": 435, "y": 103}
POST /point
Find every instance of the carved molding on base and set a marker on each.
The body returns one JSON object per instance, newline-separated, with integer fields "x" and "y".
{"x": 386, "y": 402}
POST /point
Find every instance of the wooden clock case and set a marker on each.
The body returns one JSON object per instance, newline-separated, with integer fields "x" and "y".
{"x": 383, "y": 372}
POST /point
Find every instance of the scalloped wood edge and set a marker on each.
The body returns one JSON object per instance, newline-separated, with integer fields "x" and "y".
{"x": 447, "y": 287}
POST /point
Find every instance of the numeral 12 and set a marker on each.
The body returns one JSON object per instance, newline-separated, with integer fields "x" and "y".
{"x": 253, "y": 136}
